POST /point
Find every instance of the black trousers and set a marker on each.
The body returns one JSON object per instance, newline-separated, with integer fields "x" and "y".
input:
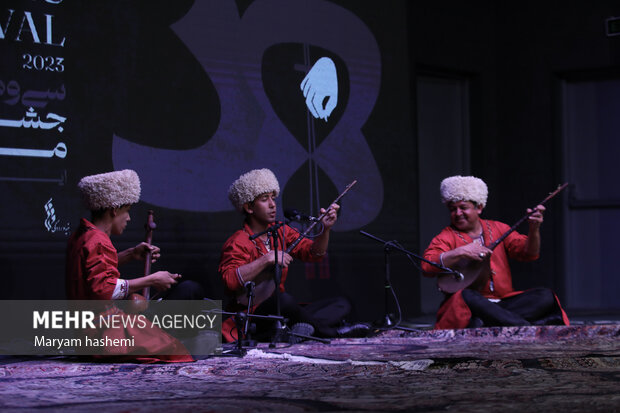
{"x": 324, "y": 315}
{"x": 537, "y": 306}
{"x": 185, "y": 290}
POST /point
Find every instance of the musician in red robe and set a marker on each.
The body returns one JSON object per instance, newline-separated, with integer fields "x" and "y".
{"x": 92, "y": 262}
{"x": 467, "y": 237}
{"x": 246, "y": 260}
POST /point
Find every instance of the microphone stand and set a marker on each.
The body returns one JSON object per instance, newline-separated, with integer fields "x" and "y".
{"x": 272, "y": 232}
{"x": 387, "y": 321}
{"x": 388, "y": 246}
{"x": 281, "y": 332}
{"x": 249, "y": 286}
{"x": 241, "y": 319}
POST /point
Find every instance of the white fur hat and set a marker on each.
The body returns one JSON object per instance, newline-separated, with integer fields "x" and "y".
{"x": 464, "y": 188}
{"x": 250, "y": 185}
{"x": 110, "y": 190}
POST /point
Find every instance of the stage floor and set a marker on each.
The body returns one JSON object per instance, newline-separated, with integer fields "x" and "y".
{"x": 510, "y": 369}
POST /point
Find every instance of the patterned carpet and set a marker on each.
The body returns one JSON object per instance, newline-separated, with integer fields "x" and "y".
{"x": 512, "y": 369}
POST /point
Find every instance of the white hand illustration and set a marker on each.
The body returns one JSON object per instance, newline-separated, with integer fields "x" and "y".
{"x": 321, "y": 82}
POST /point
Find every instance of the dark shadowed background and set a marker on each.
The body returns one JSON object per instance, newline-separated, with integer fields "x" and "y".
{"x": 191, "y": 94}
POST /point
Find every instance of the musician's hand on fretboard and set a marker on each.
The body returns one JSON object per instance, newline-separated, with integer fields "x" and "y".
{"x": 141, "y": 250}
{"x": 536, "y": 217}
{"x": 330, "y": 218}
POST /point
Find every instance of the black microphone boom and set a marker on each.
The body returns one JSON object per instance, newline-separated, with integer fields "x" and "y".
{"x": 295, "y": 215}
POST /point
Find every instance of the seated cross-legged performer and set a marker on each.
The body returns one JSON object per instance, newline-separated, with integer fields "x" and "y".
{"x": 467, "y": 237}
{"x": 246, "y": 260}
{"x": 92, "y": 260}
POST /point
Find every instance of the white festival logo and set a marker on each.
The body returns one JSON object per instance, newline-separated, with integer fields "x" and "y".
{"x": 51, "y": 222}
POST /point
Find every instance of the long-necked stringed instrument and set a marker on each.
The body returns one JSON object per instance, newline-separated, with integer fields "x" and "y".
{"x": 148, "y": 227}
{"x": 264, "y": 285}
{"x": 140, "y": 301}
{"x": 475, "y": 274}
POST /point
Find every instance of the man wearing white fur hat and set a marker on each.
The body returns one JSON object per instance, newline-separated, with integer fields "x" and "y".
{"x": 246, "y": 260}
{"x": 92, "y": 260}
{"x": 495, "y": 303}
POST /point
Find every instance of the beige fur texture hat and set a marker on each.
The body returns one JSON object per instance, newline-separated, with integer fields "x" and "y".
{"x": 250, "y": 185}
{"x": 464, "y": 188}
{"x": 110, "y": 190}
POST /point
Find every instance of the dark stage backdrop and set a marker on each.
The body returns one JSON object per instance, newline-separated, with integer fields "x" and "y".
{"x": 191, "y": 94}
{"x": 522, "y": 63}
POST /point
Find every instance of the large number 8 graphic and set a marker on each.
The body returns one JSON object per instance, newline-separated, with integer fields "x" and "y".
{"x": 230, "y": 50}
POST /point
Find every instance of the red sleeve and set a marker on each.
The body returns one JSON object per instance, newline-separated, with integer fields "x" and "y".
{"x": 101, "y": 269}
{"x": 441, "y": 243}
{"x": 515, "y": 244}
{"x": 234, "y": 255}
{"x": 302, "y": 251}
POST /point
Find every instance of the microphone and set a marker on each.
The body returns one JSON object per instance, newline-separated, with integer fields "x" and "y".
{"x": 249, "y": 288}
{"x": 295, "y": 215}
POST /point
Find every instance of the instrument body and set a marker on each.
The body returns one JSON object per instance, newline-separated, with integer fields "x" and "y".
{"x": 475, "y": 274}
{"x": 264, "y": 285}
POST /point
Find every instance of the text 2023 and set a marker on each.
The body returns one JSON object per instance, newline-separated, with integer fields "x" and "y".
{"x": 46, "y": 63}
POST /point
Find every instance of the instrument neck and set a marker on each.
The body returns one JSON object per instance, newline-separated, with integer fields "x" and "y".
{"x": 149, "y": 227}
